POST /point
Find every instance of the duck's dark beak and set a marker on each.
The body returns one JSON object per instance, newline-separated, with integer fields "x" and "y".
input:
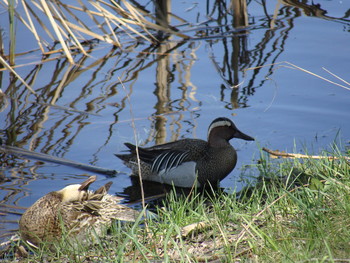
{"x": 85, "y": 185}
{"x": 240, "y": 135}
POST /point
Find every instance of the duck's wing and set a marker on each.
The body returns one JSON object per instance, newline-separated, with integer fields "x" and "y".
{"x": 167, "y": 155}
{"x": 160, "y": 157}
{"x": 169, "y": 159}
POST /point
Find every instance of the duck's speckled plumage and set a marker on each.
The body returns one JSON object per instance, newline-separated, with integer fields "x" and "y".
{"x": 197, "y": 160}
{"x": 77, "y": 209}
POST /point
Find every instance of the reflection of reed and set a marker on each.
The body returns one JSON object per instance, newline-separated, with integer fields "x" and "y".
{"x": 164, "y": 78}
{"x": 162, "y": 92}
{"x": 239, "y": 44}
{"x": 237, "y": 57}
{"x": 162, "y": 11}
{"x": 315, "y": 10}
{"x": 162, "y": 75}
{"x": 61, "y": 79}
{"x": 240, "y": 14}
{"x": 25, "y": 110}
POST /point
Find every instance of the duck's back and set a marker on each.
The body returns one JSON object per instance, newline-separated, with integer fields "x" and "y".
{"x": 40, "y": 220}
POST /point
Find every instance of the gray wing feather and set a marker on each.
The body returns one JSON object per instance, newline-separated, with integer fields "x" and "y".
{"x": 168, "y": 160}
{"x": 158, "y": 162}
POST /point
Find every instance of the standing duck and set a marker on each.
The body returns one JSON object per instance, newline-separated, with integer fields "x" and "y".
{"x": 189, "y": 162}
{"x": 74, "y": 210}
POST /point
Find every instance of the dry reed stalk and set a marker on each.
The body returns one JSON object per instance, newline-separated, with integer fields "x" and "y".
{"x": 124, "y": 23}
{"x": 12, "y": 54}
{"x": 108, "y": 22}
{"x": 57, "y": 30}
{"x": 68, "y": 26}
{"x": 40, "y": 22}
{"x": 4, "y": 63}
{"x": 63, "y": 21}
{"x": 32, "y": 27}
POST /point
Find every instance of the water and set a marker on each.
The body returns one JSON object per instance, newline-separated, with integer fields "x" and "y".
{"x": 177, "y": 96}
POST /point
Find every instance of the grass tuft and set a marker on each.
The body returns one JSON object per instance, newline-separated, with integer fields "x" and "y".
{"x": 296, "y": 211}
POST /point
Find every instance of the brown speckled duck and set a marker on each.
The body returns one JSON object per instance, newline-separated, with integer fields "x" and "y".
{"x": 74, "y": 210}
{"x": 189, "y": 162}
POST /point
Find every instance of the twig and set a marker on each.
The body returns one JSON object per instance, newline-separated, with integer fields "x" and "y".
{"x": 298, "y": 155}
{"x": 48, "y": 158}
{"x": 292, "y": 66}
{"x": 343, "y": 80}
{"x": 137, "y": 148}
{"x": 318, "y": 76}
{"x": 186, "y": 230}
{"x": 14, "y": 238}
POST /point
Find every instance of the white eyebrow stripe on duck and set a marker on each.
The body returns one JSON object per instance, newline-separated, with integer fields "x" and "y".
{"x": 168, "y": 160}
{"x": 219, "y": 124}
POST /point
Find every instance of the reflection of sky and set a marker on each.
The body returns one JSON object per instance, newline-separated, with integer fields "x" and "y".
{"x": 291, "y": 107}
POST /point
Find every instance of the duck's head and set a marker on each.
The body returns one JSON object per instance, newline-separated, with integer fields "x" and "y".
{"x": 76, "y": 192}
{"x": 224, "y": 128}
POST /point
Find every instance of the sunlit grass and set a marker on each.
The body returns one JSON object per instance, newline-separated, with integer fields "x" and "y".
{"x": 275, "y": 220}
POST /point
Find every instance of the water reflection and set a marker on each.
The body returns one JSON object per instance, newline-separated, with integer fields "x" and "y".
{"x": 81, "y": 110}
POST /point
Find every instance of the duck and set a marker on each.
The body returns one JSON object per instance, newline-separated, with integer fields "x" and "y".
{"x": 188, "y": 162}
{"x": 73, "y": 210}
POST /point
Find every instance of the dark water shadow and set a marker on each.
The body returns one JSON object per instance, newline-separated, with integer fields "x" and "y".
{"x": 155, "y": 194}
